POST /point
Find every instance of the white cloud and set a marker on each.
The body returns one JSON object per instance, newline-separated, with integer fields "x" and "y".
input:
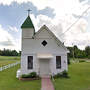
{"x": 41, "y": 4}
{"x": 64, "y": 16}
{"x": 7, "y": 41}
{"x": 76, "y": 35}
{"x": 81, "y": 40}
{"x": 4, "y": 35}
{"x": 13, "y": 28}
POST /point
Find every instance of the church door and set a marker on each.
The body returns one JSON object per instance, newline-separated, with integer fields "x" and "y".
{"x": 44, "y": 67}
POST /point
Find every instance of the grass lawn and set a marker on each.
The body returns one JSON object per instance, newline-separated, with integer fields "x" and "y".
{"x": 4, "y": 60}
{"x": 8, "y": 81}
{"x": 79, "y": 78}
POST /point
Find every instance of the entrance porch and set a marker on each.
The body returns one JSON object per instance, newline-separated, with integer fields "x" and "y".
{"x": 44, "y": 64}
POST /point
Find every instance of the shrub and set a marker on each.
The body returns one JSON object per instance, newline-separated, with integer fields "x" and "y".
{"x": 57, "y": 75}
{"x": 63, "y": 74}
{"x": 33, "y": 74}
{"x": 81, "y": 60}
{"x": 30, "y": 75}
{"x": 25, "y": 76}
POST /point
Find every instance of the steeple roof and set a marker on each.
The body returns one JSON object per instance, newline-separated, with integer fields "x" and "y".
{"x": 27, "y": 23}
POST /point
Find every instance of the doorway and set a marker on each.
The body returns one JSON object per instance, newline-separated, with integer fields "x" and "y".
{"x": 44, "y": 67}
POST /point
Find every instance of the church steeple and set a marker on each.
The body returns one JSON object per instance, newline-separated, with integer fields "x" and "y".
{"x": 27, "y": 23}
{"x": 28, "y": 29}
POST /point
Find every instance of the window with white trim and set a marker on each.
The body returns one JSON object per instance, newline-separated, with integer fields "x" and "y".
{"x": 58, "y": 62}
{"x": 30, "y": 62}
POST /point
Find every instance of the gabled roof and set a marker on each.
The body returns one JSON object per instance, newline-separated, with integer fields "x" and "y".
{"x": 53, "y": 35}
{"x": 27, "y": 23}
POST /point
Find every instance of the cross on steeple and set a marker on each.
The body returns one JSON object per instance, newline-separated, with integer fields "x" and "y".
{"x": 29, "y": 11}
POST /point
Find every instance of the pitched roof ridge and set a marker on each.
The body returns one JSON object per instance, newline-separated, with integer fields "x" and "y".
{"x": 54, "y": 36}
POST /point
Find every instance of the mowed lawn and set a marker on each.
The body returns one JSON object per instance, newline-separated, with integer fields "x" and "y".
{"x": 8, "y": 81}
{"x": 79, "y": 74}
{"x": 4, "y": 60}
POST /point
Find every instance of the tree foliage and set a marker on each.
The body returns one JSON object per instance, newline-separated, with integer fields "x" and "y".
{"x": 8, "y": 52}
{"x": 74, "y": 51}
{"x": 77, "y": 53}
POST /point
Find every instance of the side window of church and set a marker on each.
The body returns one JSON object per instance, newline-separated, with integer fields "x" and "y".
{"x": 58, "y": 62}
{"x": 30, "y": 62}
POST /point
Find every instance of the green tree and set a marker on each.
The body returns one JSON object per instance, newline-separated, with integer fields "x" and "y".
{"x": 87, "y": 51}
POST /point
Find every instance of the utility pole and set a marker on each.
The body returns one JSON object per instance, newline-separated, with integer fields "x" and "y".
{"x": 73, "y": 52}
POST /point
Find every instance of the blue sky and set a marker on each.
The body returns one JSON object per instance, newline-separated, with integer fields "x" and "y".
{"x": 57, "y": 15}
{"x": 15, "y": 14}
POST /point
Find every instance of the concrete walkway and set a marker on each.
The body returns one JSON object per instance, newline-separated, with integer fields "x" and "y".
{"x": 46, "y": 84}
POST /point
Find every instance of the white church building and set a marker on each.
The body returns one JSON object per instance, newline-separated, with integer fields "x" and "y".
{"x": 42, "y": 51}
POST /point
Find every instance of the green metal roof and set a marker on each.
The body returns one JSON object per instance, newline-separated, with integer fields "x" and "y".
{"x": 27, "y": 23}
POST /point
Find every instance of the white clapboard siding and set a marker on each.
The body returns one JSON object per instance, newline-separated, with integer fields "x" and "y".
{"x": 9, "y": 66}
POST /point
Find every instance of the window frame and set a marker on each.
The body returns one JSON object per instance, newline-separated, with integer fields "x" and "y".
{"x": 30, "y": 60}
{"x": 58, "y": 62}
{"x": 44, "y": 43}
